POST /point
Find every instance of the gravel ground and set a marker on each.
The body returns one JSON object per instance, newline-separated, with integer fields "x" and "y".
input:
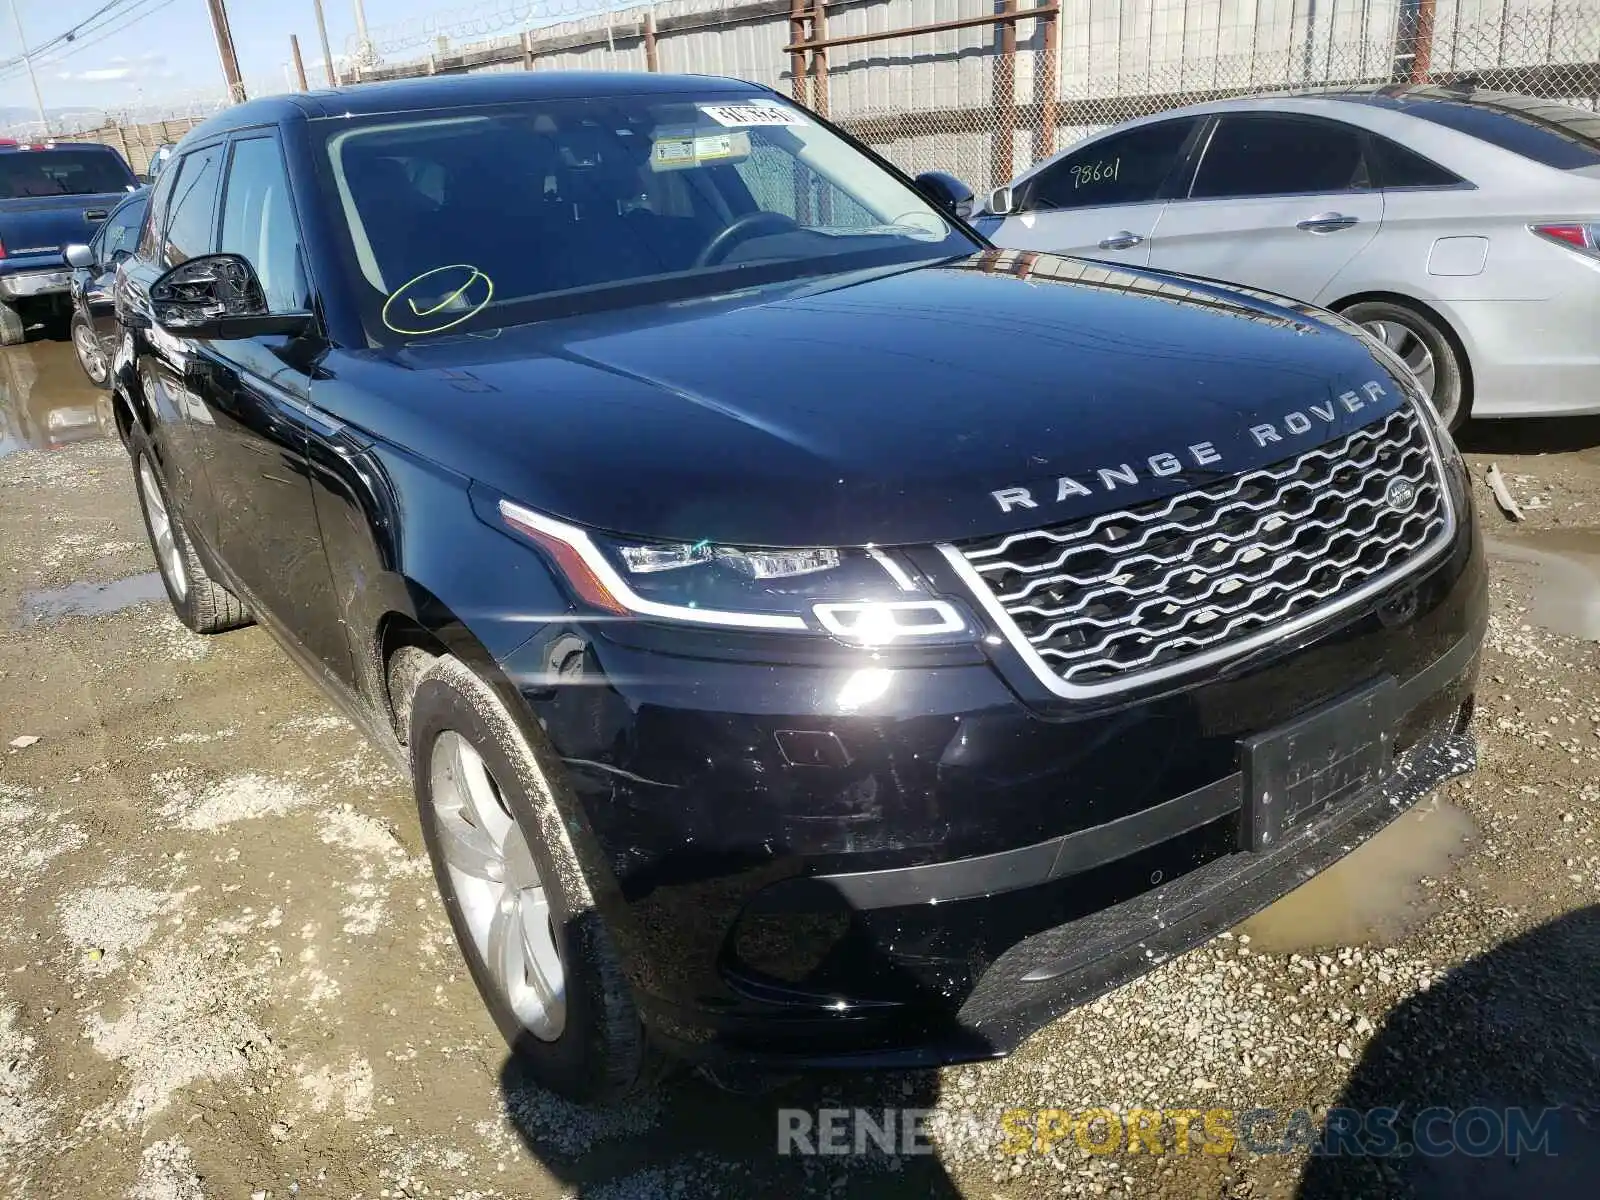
{"x": 224, "y": 971}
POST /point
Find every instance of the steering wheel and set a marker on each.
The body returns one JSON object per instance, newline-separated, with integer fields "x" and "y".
{"x": 746, "y": 227}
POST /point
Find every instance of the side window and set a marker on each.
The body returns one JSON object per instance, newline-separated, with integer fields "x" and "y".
{"x": 118, "y": 235}
{"x": 258, "y": 222}
{"x": 193, "y": 224}
{"x": 1396, "y": 167}
{"x": 1269, "y": 156}
{"x": 160, "y": 204}
{"x": 1127, "y": 168}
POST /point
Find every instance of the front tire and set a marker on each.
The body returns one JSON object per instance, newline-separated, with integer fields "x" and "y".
{"x": 1426, "y": 347}
{"x": 200, "y": 602}
{"x": 514, "y": 890}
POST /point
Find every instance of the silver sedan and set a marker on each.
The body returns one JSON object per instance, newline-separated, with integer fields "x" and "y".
{"x": 1460, "y": 226}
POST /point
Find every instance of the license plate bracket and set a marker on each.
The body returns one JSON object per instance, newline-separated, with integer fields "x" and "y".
{"x": 1302, "y": 769}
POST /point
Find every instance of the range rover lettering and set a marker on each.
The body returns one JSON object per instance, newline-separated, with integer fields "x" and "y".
{"x": 815, "y": 637}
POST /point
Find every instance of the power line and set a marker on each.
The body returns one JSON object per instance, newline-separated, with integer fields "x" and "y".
{"x": 69, "y": 35}
{"x": 79, "y": 44}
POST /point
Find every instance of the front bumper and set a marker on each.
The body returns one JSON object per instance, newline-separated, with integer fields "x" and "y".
{"x": 947, "y": 858}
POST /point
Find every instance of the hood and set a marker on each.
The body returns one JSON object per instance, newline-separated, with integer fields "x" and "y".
{"x": 939, "y": 403}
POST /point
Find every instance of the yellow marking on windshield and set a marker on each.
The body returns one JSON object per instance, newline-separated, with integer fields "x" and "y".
{"x": 445, "y": 306}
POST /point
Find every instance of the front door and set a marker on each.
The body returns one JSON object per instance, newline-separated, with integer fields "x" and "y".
{"x": 1103, "y": 199}
{"x": 259, "y": 420}
{"x": 1279, "y": 202}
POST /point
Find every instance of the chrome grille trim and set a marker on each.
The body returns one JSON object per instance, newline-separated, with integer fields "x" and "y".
{"x": 1260, "y": 604}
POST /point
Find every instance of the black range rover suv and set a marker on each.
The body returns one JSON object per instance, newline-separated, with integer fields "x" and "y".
{"x": 815, "y": 637}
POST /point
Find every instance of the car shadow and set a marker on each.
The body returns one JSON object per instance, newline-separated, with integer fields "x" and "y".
{"x": 754, "y": 1134}
{"x": 688, "y": 1137}
{"x": 1515, "y": 1028}
{"x": 1534, "y": 435}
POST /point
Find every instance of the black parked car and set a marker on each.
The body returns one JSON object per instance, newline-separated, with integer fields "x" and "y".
{"x": 94, "y": 325}
{"x": 815, "y": 637}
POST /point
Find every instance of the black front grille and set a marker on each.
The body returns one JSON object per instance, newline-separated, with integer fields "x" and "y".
{"x": 1107, "y": 599}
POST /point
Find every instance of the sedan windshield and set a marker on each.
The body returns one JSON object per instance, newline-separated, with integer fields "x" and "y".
{"x": 493, "y": 216}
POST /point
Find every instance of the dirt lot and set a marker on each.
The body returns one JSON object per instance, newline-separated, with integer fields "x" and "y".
{"x": 224, "y": 972}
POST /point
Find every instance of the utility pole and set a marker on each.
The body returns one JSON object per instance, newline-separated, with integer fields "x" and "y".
{"x": 230, "y": 60}
{"x": 364, "y": 52}
{"x": 327, "y": 54}
{"x": 27, "y": 61}
{"x": 299, "y": 63}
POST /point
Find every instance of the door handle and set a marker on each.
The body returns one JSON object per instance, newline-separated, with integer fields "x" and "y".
{"x": 1327, "y": 222}
{"x": 1121, "y": 240}
{"x": 96, "y": 214}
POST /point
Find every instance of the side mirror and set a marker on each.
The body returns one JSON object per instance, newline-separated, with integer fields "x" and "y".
{"x": 948, "y": 192}
{"x": 78, "y": 255}
{"x": 1002, "y": 200}
{"x": 218, "y": 296}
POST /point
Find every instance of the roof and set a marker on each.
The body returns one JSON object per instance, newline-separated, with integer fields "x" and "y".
{"x": 437, "y": 91}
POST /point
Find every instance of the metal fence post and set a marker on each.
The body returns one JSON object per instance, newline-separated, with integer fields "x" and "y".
{"x": 651, "y": 63}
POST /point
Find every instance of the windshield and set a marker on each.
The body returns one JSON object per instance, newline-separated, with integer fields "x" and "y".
{"x": 490, "y": 217}
{"x": 63, "y": 171}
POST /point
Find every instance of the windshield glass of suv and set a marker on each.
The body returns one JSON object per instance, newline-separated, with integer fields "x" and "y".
{"x": 62, "y": 172}
{"x": 495, "y": 216}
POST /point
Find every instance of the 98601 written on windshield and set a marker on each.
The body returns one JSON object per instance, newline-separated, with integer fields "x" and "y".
{"x": 605, "y": 203}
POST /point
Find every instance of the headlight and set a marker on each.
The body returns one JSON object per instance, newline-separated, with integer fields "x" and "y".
{"x": 862, "y": 596}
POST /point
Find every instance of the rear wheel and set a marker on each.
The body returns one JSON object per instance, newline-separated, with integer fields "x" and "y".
{"x": 515, "y": 893}
{"x": 1421, "y": 341}
{"x": 200, "y": 602}
{"x": 91, "y": 353}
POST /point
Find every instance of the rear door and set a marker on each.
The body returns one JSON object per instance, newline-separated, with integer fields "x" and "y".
{"x": 1279, "y": 201}
{"x": 1104, "y": 198}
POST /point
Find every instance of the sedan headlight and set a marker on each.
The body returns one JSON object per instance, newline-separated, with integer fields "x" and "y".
{"x": 863, "y": 596}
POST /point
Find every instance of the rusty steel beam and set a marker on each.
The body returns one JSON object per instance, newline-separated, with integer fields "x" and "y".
{"x": 651, "y": 62}
{"x": 1047, "y": 91}
{"x": 821, "y": 41}
{"x": 1422, "y": 42}
{"x": 797, "y": 58}
{"x": 1002, "y": 146}
{"x": 819, "y": 57}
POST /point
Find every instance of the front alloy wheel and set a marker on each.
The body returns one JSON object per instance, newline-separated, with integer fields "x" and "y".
{"x": 502, "y": 899}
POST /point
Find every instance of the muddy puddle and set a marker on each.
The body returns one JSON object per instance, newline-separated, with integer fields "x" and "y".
{"x": 46, "y": 401}
{"x": 91, "y": 599}
{"x": 1375, "y": 893}
{"x": 1566, "y": 593}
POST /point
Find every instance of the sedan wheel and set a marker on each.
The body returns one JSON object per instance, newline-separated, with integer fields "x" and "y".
{"x": 1420, "y": 339}
{"x": 497, "y": 885}
{"x": 1413, "y": 351}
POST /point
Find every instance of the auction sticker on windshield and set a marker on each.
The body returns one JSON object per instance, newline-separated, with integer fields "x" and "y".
{"x": 736, "y": 116}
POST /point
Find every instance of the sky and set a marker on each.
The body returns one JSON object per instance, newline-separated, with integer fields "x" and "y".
{"x": 170, "y": 51}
